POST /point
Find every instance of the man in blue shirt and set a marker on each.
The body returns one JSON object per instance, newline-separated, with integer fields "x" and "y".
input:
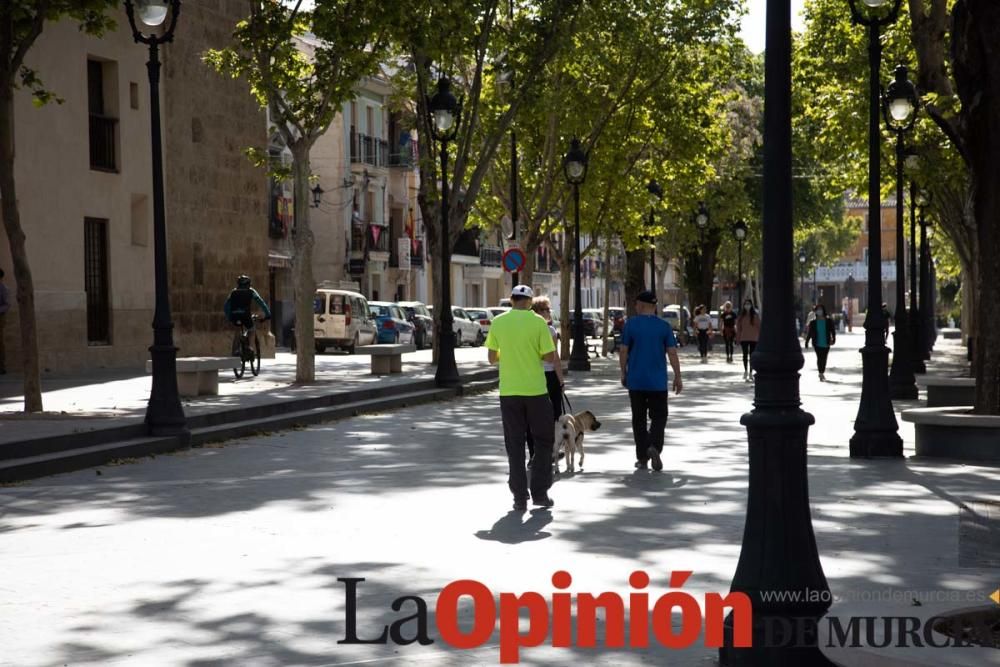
{"x": 647, "y": 341}
{"x": 239, "y": 305}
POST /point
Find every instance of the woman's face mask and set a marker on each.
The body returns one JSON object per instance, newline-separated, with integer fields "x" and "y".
{"x": 820, "y": 312}
{"x": 747, "y": 306}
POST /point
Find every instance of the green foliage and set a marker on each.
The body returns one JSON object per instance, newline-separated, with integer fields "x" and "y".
{"x": 302, "y": 65}
{"x": 22, "y": 21}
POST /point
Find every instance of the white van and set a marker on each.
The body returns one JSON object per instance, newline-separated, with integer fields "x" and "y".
{"x": 341, "y": 319}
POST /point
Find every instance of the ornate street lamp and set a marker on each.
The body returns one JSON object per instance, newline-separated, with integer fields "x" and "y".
{"x": 446, "y": 114}
{"x": 928, "y": 328}
{"x": 875, "y": 428}
{"x": 912, "y": 162}
{"x": 740, "y": 234}
{"x": 575, "y": 170}
{"x": 164, "y": 414}
{"x": 317, "y": 194}
{"x": 701, "y": 222}
{"x": 779, "y": 551}
{"x": 802, "y": 283}
{"x": 900, "y": 110}
{"x": 655, "y": 197}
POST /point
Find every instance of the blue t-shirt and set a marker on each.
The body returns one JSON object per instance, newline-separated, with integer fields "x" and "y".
{"x": 821, "y": 333}
{"x": 647, "y": 338}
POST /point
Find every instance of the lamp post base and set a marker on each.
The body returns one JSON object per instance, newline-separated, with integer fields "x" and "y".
{"x": 902, "y": 384}
{"x": 579, "y": 359}
{"x": 164, "y": 414}
{"x": 446, "y": 374}
{"x": 875, "y": 429}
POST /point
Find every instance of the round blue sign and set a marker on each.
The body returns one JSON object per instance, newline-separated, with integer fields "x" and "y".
{"x": 513, "y": 260}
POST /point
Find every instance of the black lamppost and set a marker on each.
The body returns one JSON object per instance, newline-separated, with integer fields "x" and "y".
{"x": 317, "y": 195}
{"x": 899, "y": 107}
{"x": 164, "y": 414}
{"x": 446, "y": 113}
{"x": 740, "y": 233}
{"x": 655, "y": 197}
{"x": 779, "y": 548}
{"x": 926, "y": 285}
{"x": 802, "y": 282}
{"x": 915, "y": 319}
{"x": 575, "y": 169}
{"x": 701, "y": 221}
{"x": 515, "y": 276}
{"x": 875, "y": 428}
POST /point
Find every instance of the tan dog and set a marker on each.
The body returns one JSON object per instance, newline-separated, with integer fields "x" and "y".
{"x": 569, "y": 437}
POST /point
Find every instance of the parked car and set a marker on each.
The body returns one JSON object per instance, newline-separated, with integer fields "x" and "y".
{"x": 592, "y": 326}
{"x": 392, "y": 324}
{"x": 679, "y": 318}
{"x": 481, "y": 315}
{"x": 423, "y": 322}
{"x": 341, "y": 319}
{"x": 714, "y": 314}
{"x": 617, "y": 317}
{"x": 467, "y": 330}
{"x": 505, "y": 303}
{"x": 497, "y": 310}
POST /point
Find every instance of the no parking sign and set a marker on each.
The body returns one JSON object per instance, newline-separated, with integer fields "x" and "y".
{"x": 513, "y": 260}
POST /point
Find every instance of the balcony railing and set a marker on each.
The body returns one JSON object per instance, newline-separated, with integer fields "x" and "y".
{"x": 490, "y": 256}
{"x": 417, "y": 254}
{"x": 379, "y": 243}
{"x": 403, "y": 159}
{"x": 102, "y": 142}
{"x": 369, "y": 150}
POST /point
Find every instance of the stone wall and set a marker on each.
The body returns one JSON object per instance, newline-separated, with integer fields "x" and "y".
{"x": 216, "y": 198}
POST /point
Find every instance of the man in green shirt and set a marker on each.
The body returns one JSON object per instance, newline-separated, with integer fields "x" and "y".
{"x": 519, "y": 340}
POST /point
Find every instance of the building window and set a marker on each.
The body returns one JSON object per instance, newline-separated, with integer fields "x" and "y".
{"x": 103, "y": 123}
{"x": 95, "y": 281}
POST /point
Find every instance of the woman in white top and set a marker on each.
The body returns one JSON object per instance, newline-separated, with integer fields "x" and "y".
{"x": 703, "y": 325}
{"x": 553, "y": 372}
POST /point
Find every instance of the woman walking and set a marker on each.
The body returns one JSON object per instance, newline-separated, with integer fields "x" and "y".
{"x": 703, "y": 325}
{"x": 728, "y": 318}
{"x": 553, "y": 371}
{"x": 823, "y": 334}
{"x": 747, "y": 334}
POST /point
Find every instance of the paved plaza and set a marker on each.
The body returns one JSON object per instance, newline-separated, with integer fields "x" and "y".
{"x": 231, "y": 555}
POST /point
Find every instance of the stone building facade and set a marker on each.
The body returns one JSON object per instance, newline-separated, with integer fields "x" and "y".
{"x": 83, "y": 171}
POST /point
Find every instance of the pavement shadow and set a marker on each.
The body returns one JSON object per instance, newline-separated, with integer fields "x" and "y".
{"x": 512, "y": 528}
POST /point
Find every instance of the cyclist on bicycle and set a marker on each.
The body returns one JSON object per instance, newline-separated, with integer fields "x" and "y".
{"x": 239, "y": 305}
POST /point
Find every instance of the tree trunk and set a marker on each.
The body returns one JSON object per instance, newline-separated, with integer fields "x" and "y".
{"x": 635, "y": 278}
{"x": 19, "y": 253}
{"x": 302, "y": 268}
{"x": 565, "y": 287}
{"x": 609, "y": 330}
{"x": 976, "y": 53}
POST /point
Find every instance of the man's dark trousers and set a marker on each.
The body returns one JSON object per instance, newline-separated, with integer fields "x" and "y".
{"x": 655, "y": 404}
{"x": 519, "y": 414}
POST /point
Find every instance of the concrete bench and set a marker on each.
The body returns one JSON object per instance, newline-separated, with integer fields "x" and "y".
{"x": 386, "y": 358}
{"x": 945, "y": 391}
{"x": 199, "y": 376}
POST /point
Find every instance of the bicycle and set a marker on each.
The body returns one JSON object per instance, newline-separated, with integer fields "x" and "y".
{"x": 246, "y": 349}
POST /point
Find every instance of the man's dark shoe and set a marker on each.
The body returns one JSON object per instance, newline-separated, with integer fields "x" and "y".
{"x": 520, "y": 505}
{"x": 654, "y": 456}
{"x": 641, "y": 465}
{"x": 542, "y": 501}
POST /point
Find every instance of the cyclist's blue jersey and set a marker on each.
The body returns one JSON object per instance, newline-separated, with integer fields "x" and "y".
{"x": 240, "y": 303}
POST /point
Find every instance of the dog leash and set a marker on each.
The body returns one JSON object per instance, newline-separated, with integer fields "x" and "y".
{"x": 568, "y": 405}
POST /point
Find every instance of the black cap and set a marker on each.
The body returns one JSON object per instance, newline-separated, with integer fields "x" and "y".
{"x": 646, "y": 296}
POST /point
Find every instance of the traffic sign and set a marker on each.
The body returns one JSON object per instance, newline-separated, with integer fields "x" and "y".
{"x": 513, "y": 260}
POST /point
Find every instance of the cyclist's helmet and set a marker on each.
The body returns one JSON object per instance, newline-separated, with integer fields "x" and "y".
{"x": 243, "y": 282}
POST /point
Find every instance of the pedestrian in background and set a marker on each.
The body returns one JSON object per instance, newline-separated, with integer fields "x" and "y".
{"x": 823, "y": 334}
{"x": 519, "y": 340}
{"x": 747, "y": 335}
{"x": 703, "y": 327}
{"x": 886, "y": 317}
{"x": 809, "y": 320}
{"x": 554, "y": 381}
{"x": 4, "y": 307}
{"x": 728, "y": 322}
{"x": 647, "y": 342}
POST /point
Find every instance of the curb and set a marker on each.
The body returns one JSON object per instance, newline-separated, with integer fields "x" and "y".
{"x": 38, "y": 457}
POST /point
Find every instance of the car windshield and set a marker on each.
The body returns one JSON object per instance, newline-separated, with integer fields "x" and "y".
{"x": 478, "y": 314}
{"x": 381, "y": 311}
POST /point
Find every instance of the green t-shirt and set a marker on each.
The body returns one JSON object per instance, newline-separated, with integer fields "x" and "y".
{"x": 521, "y": 338}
